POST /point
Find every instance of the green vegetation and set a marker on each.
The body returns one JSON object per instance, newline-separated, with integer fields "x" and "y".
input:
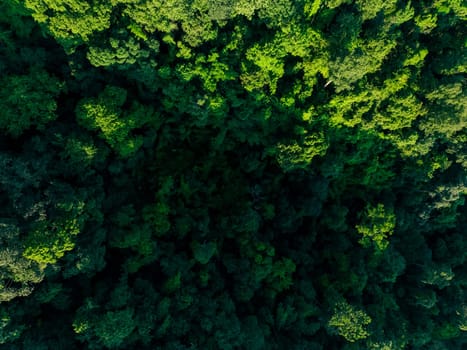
{"x": 233, "y": 174}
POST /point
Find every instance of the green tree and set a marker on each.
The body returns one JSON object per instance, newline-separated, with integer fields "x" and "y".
{"x": 28, "y": 100}
{"x": 105, "y": 114}
{"x": 377, "y": 225}
{"x": 300, "y": 156}
{"x": 71, "y": 22}
{"x": 48, "y": 241}
{"x": 350, "y": 322}
{"x": 18, "y": 274}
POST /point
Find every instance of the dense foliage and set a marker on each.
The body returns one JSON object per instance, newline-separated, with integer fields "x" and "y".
{"x": 233, "y": 174}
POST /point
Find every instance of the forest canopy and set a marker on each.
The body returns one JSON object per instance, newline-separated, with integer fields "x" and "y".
{"x": 233, "y": 174}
